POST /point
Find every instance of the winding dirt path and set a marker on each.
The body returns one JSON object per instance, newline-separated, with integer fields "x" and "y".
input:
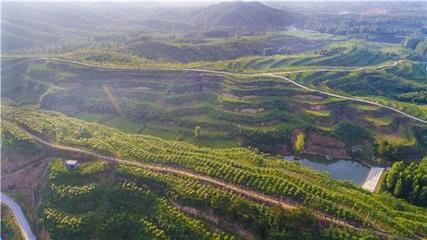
{"x": 283, "y": 203}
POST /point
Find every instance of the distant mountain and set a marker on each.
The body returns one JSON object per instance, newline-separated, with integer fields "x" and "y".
{"x": 245, "y": 14}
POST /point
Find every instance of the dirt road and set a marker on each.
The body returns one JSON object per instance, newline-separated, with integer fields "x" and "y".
{"x": 283, "y": 203}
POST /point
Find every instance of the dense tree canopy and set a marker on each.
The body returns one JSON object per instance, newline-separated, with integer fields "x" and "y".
{"x": 408, "y": 181}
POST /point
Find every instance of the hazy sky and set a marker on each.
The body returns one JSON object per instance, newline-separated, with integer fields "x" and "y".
{"x": 194, "y": 1}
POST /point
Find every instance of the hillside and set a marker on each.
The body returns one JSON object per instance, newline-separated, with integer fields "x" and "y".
{"x": 219, "y": 49}
{"x": 245, "y": 14}
{"x": 144, "y": 175}
{"x": 68, "y": 25}
{"x": 27, "y": 25}
{"x": 231, "y": 110}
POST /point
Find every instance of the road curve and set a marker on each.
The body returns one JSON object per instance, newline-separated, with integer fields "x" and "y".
{"x": 19, "y": 216}
{"x": 355, "y": 99}
{"x": 283, "y": 203}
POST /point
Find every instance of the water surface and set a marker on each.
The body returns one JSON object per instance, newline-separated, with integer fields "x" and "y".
{"x": 338, "y": 169}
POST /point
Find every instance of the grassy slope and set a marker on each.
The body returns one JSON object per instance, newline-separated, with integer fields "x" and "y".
{"x": 342, "y": 200}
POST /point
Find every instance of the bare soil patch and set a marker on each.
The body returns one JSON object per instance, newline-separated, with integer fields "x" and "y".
{"x": 21, "y": 171}
{"x": 321, "y": 145}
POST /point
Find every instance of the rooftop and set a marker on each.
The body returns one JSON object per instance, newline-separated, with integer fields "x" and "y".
{"x": 71, "y": 162}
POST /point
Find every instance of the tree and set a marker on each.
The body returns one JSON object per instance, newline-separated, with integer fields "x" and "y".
{"x": 398, "y": 189}
{"x": 299, "y": 143}
{"x": 408, "y": 181}
{"x": 422, "y": 199}
{"x": 84, "y": 133}
{"x": 197, "y": 131}
{"x": 392, "y": 174}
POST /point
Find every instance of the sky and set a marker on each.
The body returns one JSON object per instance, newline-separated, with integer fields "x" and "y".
{"x": 195, "y": 1}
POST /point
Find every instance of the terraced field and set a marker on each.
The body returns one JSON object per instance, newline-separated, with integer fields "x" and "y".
{"x": 326, "y": 51}
{"x": 382, "y": 85}
{"x": 230, "y": 110}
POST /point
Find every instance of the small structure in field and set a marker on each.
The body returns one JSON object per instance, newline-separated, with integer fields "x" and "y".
{"x": 71, "y": 164}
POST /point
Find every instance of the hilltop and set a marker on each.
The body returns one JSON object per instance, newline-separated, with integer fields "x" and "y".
{"x": 245, "y": 14}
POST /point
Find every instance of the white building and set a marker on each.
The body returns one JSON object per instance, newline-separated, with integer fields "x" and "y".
{"x": 71, "y": 164}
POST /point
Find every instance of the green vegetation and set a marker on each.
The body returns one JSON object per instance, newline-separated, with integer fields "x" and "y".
{"x": 418, "y": 44}
{"x": 387, "y": 26}
{"x": 415, "y": 97}
{"x": 349, "y": 56}
{"x": 410, "y": 70}
{"x": 259, "y": 112}
{"x": 123, "y": 124}
{"x": 133, "y": 202}
{"x": 247, "y": 168}
{"x": 318, "y": 113}
{"x": 351, "y": 134}
{"x": 299, "y": 143}
{"x": 9, "y": 227}
{"x": 399, "y": 86}
{"x": 408, "y": 181}
{"x": 393, "y": 151}
{"x": 379, "y": 121}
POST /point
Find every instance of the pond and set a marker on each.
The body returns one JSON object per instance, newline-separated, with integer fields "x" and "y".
{"x": 338, "y": 169}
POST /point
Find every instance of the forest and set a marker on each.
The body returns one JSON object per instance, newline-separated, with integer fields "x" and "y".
{"x": 408, "y": 181}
